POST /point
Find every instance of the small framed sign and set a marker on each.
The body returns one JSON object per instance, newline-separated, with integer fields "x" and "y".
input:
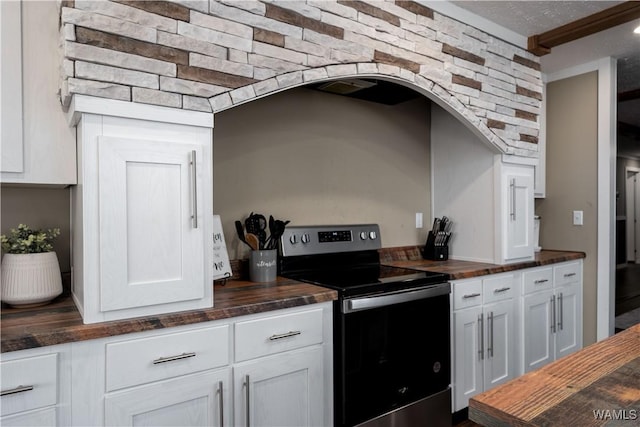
{"x": 221, "y": 265}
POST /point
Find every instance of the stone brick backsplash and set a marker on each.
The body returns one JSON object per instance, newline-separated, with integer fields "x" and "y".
{"x": 213, "y": 55}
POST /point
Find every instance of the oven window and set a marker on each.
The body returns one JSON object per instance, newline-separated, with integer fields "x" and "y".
{"x": 390, "y": 356}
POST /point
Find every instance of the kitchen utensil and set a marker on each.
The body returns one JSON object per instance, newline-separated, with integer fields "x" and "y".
{"x": 240, "y": 231}
{"x": 261, "y": 233}
{"x": 252, "y": 241}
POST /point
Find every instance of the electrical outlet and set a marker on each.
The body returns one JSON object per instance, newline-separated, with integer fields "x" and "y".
{"x": 418, "y": 219}
{"x": 577, "y": 217}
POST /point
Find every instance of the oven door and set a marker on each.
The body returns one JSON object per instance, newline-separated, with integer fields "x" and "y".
{"x": 392, "y": 350}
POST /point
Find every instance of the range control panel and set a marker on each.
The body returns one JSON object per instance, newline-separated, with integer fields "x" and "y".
{"x": 323, "y": 239}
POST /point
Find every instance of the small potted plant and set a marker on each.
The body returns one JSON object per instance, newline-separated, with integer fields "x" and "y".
{"x": 30, "y": 269}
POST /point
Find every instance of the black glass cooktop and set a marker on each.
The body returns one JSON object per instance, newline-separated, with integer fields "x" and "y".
{"x": 362, "y": 280}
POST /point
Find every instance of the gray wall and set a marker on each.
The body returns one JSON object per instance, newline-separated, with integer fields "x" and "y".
{"x": 463, "y": 181}
{"x": 572, "y": 179}
{"x": 317, "y": 158}
{"x": 39, "y": 208}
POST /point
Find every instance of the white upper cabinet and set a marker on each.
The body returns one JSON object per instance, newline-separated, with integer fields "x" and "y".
{"x": 515, "y": 207}
{"x": 37, "y": 145}
{"x": 142, "y": 210}
{"x": 11, "y": 90}
{"x": 150, "y": 189}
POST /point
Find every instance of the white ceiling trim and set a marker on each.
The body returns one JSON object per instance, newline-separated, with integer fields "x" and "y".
{"x": 452, "y": 11}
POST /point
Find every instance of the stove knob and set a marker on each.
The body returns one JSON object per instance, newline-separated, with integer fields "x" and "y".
{"x": 363, "y": 235}
{"x": 305, "y": 238}
{"x": 373, "y": 235}
{"x": 293, "y": 239}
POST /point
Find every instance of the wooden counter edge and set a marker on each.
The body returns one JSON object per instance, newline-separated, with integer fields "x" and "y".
{"x": 486, "y": 411}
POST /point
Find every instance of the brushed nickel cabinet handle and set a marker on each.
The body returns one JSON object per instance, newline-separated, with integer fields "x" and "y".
{"x": 560, "y": 304}
{"x": 19, "y": 389}
{"x": 173, "y": 358}
{"x": 221, "y": 403}
{"x": 481, "y": 328}
{"x": 553, "y": 314}
{"x": 513, "y": 199}
{"x": 490, "y": 331}
{"x": 467, "y": 296}
{"x": 194, "y": 188}
{"x": 569, "y": 274}
{"x": 285, "y": 335}
{"x": 247, "y": 396}
{"x": 505, "y": 289}
{"x": 540, "y": 281}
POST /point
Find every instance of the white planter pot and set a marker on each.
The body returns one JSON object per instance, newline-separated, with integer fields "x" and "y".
{"x": 30, "y": 279}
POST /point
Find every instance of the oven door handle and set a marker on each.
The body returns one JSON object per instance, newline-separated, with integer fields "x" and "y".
{"x": 367, "y": 303}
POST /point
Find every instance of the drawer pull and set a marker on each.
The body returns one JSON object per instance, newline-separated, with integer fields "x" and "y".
{"x": 467, "y": 296}
{"x": 173, "y": 358}
{"x": 569, "y": 274}
{"x": 497, "y": 291}
{"x": 19, "y": 389}
{"x": 285, "y": 335}
{"x": 540, "y": 281}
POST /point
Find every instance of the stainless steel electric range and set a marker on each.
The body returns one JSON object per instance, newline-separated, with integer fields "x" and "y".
{"x": 391, "y": 327}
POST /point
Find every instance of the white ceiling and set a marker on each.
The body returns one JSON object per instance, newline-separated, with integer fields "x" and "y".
{"x": 515, "y": 21}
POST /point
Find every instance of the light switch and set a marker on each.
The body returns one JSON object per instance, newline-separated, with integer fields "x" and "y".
{"x": 418, "y": 219}
{"x": 577, "y": 217}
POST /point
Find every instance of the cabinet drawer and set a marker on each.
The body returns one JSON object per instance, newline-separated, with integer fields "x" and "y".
{"x": 29, "y": 383}
{"x": 144, "y": 360}
{"x": 272, "y": 335}
{"x": 498, "y": 288}
{"x": 466, "y": 293}
{"x": 538, "y": 279}
{"x": 567, "y": 273}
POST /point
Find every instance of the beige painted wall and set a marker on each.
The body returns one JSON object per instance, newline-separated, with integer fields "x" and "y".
{"x": 572, "y": 181}
{"x": 316, "y": 158}
{"x": 39, "y": 208}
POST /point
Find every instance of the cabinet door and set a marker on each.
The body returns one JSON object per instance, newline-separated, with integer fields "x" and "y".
{"x": 194, "y": 400}
{"x": 468, "y": 339}
{"x": 41, "y": 418}
{"x": 11, "y": 145}
{"x": 284, "y": 390}
{"x": 519, "y": 238}
{"x": 538, "y": 333}
{"x": 151, "y": 247}
{"x": 499, "y": 364}
{"x": 568, "y": 319}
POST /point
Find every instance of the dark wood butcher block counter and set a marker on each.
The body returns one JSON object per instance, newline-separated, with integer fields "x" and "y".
{"x": 410, "y": 257}
{"x": 60, "y": 322}
{"x": 596, "y": 386}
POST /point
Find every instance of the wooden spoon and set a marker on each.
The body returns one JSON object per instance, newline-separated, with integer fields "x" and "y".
{"x": 252, "y": 241}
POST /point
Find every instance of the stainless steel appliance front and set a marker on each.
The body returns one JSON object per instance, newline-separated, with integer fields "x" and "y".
{"x": 391, "y": 327}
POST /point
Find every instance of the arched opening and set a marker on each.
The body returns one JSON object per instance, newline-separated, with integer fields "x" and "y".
{"x": 379, "y": 72}
{"x": 312, "y": 157}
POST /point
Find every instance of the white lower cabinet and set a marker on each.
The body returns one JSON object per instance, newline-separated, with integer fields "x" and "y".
{"x": 34, "y": 387}
{"x": 269, "y": 368}
{"x": 282, "y": 390}
{"x": 483, "y": 327}
{"x": 200, "y": 399}
{"x": 552, "y": 313}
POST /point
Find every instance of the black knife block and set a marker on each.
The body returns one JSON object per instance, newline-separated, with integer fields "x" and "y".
{"x": 433, "y": 252}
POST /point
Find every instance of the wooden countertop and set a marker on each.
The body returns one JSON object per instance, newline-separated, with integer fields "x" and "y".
{"x": 604, "y": 377}
{"x": 60, "y": 322}
{"x": 410, "y": 258}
